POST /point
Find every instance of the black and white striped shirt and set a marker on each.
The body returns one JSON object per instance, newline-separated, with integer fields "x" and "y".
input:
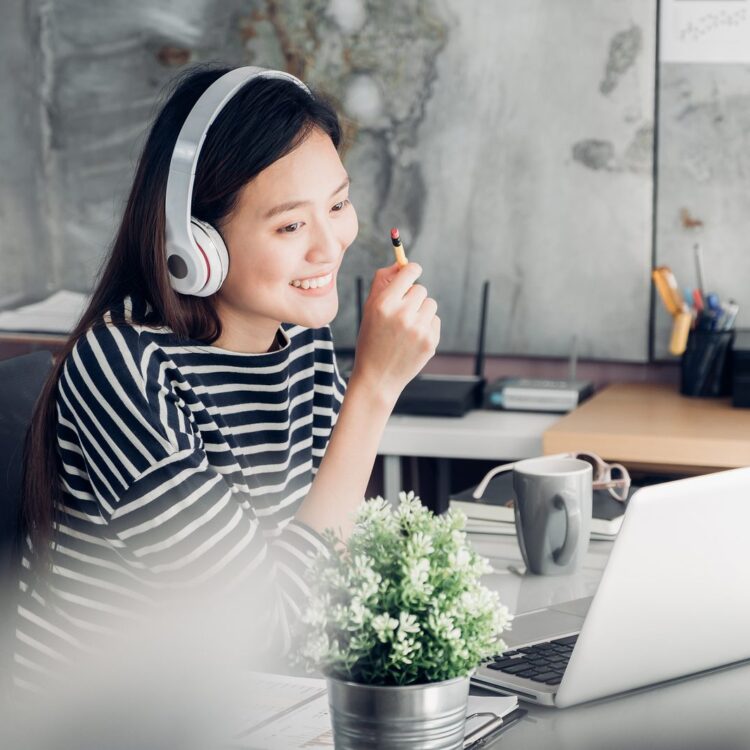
{"x": 182, "y": 465}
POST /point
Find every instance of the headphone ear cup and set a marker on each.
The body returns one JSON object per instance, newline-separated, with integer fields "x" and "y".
{"x": 214, "y": 253}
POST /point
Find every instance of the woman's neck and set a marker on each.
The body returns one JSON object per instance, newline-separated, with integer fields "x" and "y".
{"x": 239, "y": 334}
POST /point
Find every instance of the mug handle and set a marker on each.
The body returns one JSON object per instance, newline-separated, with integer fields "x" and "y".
{"x": 565, "y": 500}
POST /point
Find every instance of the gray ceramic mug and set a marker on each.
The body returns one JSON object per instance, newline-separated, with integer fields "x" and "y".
{"x": 553, "y": 512}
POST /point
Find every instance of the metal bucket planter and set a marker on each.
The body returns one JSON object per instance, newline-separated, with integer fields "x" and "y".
{"x": 411, "y": 717}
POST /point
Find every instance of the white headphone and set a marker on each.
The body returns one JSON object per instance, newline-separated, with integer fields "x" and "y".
{"x": 196, "y": 255}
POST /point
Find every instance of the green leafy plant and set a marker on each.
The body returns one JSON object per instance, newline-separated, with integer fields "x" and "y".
{"x": 401, "y": 602}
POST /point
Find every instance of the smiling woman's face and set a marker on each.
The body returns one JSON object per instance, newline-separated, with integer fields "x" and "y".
{"x": 286, "y": 239}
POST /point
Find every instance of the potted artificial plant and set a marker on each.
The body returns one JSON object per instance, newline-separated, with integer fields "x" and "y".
{"x": 397, "y": 622}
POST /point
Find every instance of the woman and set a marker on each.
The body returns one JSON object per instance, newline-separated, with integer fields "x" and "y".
{"x": 186, "y": 442}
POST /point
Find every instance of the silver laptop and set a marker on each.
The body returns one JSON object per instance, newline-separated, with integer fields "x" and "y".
{"x": 673, "y": 601}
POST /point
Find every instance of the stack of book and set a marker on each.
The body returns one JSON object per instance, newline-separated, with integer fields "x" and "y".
{"x": 57, "y": 314}
{"x": 494, "y": 512}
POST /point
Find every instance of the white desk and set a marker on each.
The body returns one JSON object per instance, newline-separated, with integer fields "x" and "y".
{"x": 480, "y": 434}
{"x": 708, "y": 711}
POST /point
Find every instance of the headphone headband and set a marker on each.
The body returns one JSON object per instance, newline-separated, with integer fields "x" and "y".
{"x": 189, "y": 268}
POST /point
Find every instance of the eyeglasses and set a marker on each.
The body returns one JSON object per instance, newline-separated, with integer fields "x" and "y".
{"x": 612, "y": 477}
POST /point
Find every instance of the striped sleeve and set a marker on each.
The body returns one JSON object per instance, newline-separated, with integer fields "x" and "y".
{"x": 174, "y": 518}
{"x": 330, "y": 388}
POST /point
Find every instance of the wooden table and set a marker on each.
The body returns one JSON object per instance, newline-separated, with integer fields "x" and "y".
{"x": 14, "y": 344}
{"x": 479, "y": 434}
{"x": 654, "y": 427}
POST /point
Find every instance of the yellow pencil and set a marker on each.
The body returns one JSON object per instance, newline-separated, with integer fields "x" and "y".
{"x": 666, "y": 285}
{"x": 680, "y": 332}
{"x": 398, "y": 248}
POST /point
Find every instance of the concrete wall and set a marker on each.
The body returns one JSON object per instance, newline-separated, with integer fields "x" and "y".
{"x": 704, "y": 181}
{"x": 511, "y": 141}
{"x": 25, "y": 236}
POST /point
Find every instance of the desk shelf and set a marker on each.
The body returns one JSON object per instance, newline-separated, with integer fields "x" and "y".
{"x": 653, "y": 426}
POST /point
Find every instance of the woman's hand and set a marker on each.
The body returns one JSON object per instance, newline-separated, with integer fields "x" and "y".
{"x": 399, "y": 334}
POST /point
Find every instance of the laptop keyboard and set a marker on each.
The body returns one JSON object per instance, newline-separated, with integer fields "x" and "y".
{"x": 542, "y": 662}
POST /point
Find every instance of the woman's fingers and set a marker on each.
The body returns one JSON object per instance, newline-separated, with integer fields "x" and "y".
{"x": 428, "y": 324}
{"x": 427, "y": 308}
{"x": 400, "y": 330}
{"x": 392, "y": 283}
{"x": 403, "y": 281}
{"x": 435, "y": 325}
{"x": 415, "y": 297}
{"x": 383, "y": 277}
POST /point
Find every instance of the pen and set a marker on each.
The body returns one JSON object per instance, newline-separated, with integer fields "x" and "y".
{"x": 698, "y": 300}
{"x": 398, "y": 248}
{"x": 697, "y": 250}
{"x": 474, "y": 738}
{"x": 508, "y": 721}
{"x": 712, "y": 313}
{"x": 707, "y": 321}
{"x": 674, "y": 290}
{"x": 731, "y": 309}
{"x": 713, "y": 302}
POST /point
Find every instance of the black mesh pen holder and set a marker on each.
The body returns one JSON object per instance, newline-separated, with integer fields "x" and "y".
{"x": 706, "y": 364}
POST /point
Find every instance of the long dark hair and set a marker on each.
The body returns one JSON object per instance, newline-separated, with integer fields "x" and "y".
{"x": 265, "y": 120}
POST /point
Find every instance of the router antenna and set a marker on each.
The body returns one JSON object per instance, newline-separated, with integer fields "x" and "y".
{"x": 479, "y": 363}
{"x": 360, "y": 302}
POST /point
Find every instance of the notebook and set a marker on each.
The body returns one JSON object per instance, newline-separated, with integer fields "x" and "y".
{"x": 494, "y": 513}
{"x": 58, "y": 313}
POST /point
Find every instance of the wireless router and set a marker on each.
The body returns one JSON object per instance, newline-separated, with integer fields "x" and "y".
{"x": 540, "y": 394}
{"x": 448, "y": 395}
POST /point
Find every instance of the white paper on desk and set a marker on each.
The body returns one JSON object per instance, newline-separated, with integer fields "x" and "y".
{"x": 490, "y": 527}
{"x": 300, "y": 705}
{"x": 499, "y": 528}
{"x": 59, "y": 313}
{"x": 307, "y": 727}
{"x": 500, "y": 705}
{"x": 705, "y": 31}
{"x": 269, "y": 695}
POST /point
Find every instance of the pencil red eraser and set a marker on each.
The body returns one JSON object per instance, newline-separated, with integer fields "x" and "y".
{"x": 394, "y": 233}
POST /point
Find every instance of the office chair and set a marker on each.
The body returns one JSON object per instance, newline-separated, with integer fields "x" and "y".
{"x": 21, "y": 381}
